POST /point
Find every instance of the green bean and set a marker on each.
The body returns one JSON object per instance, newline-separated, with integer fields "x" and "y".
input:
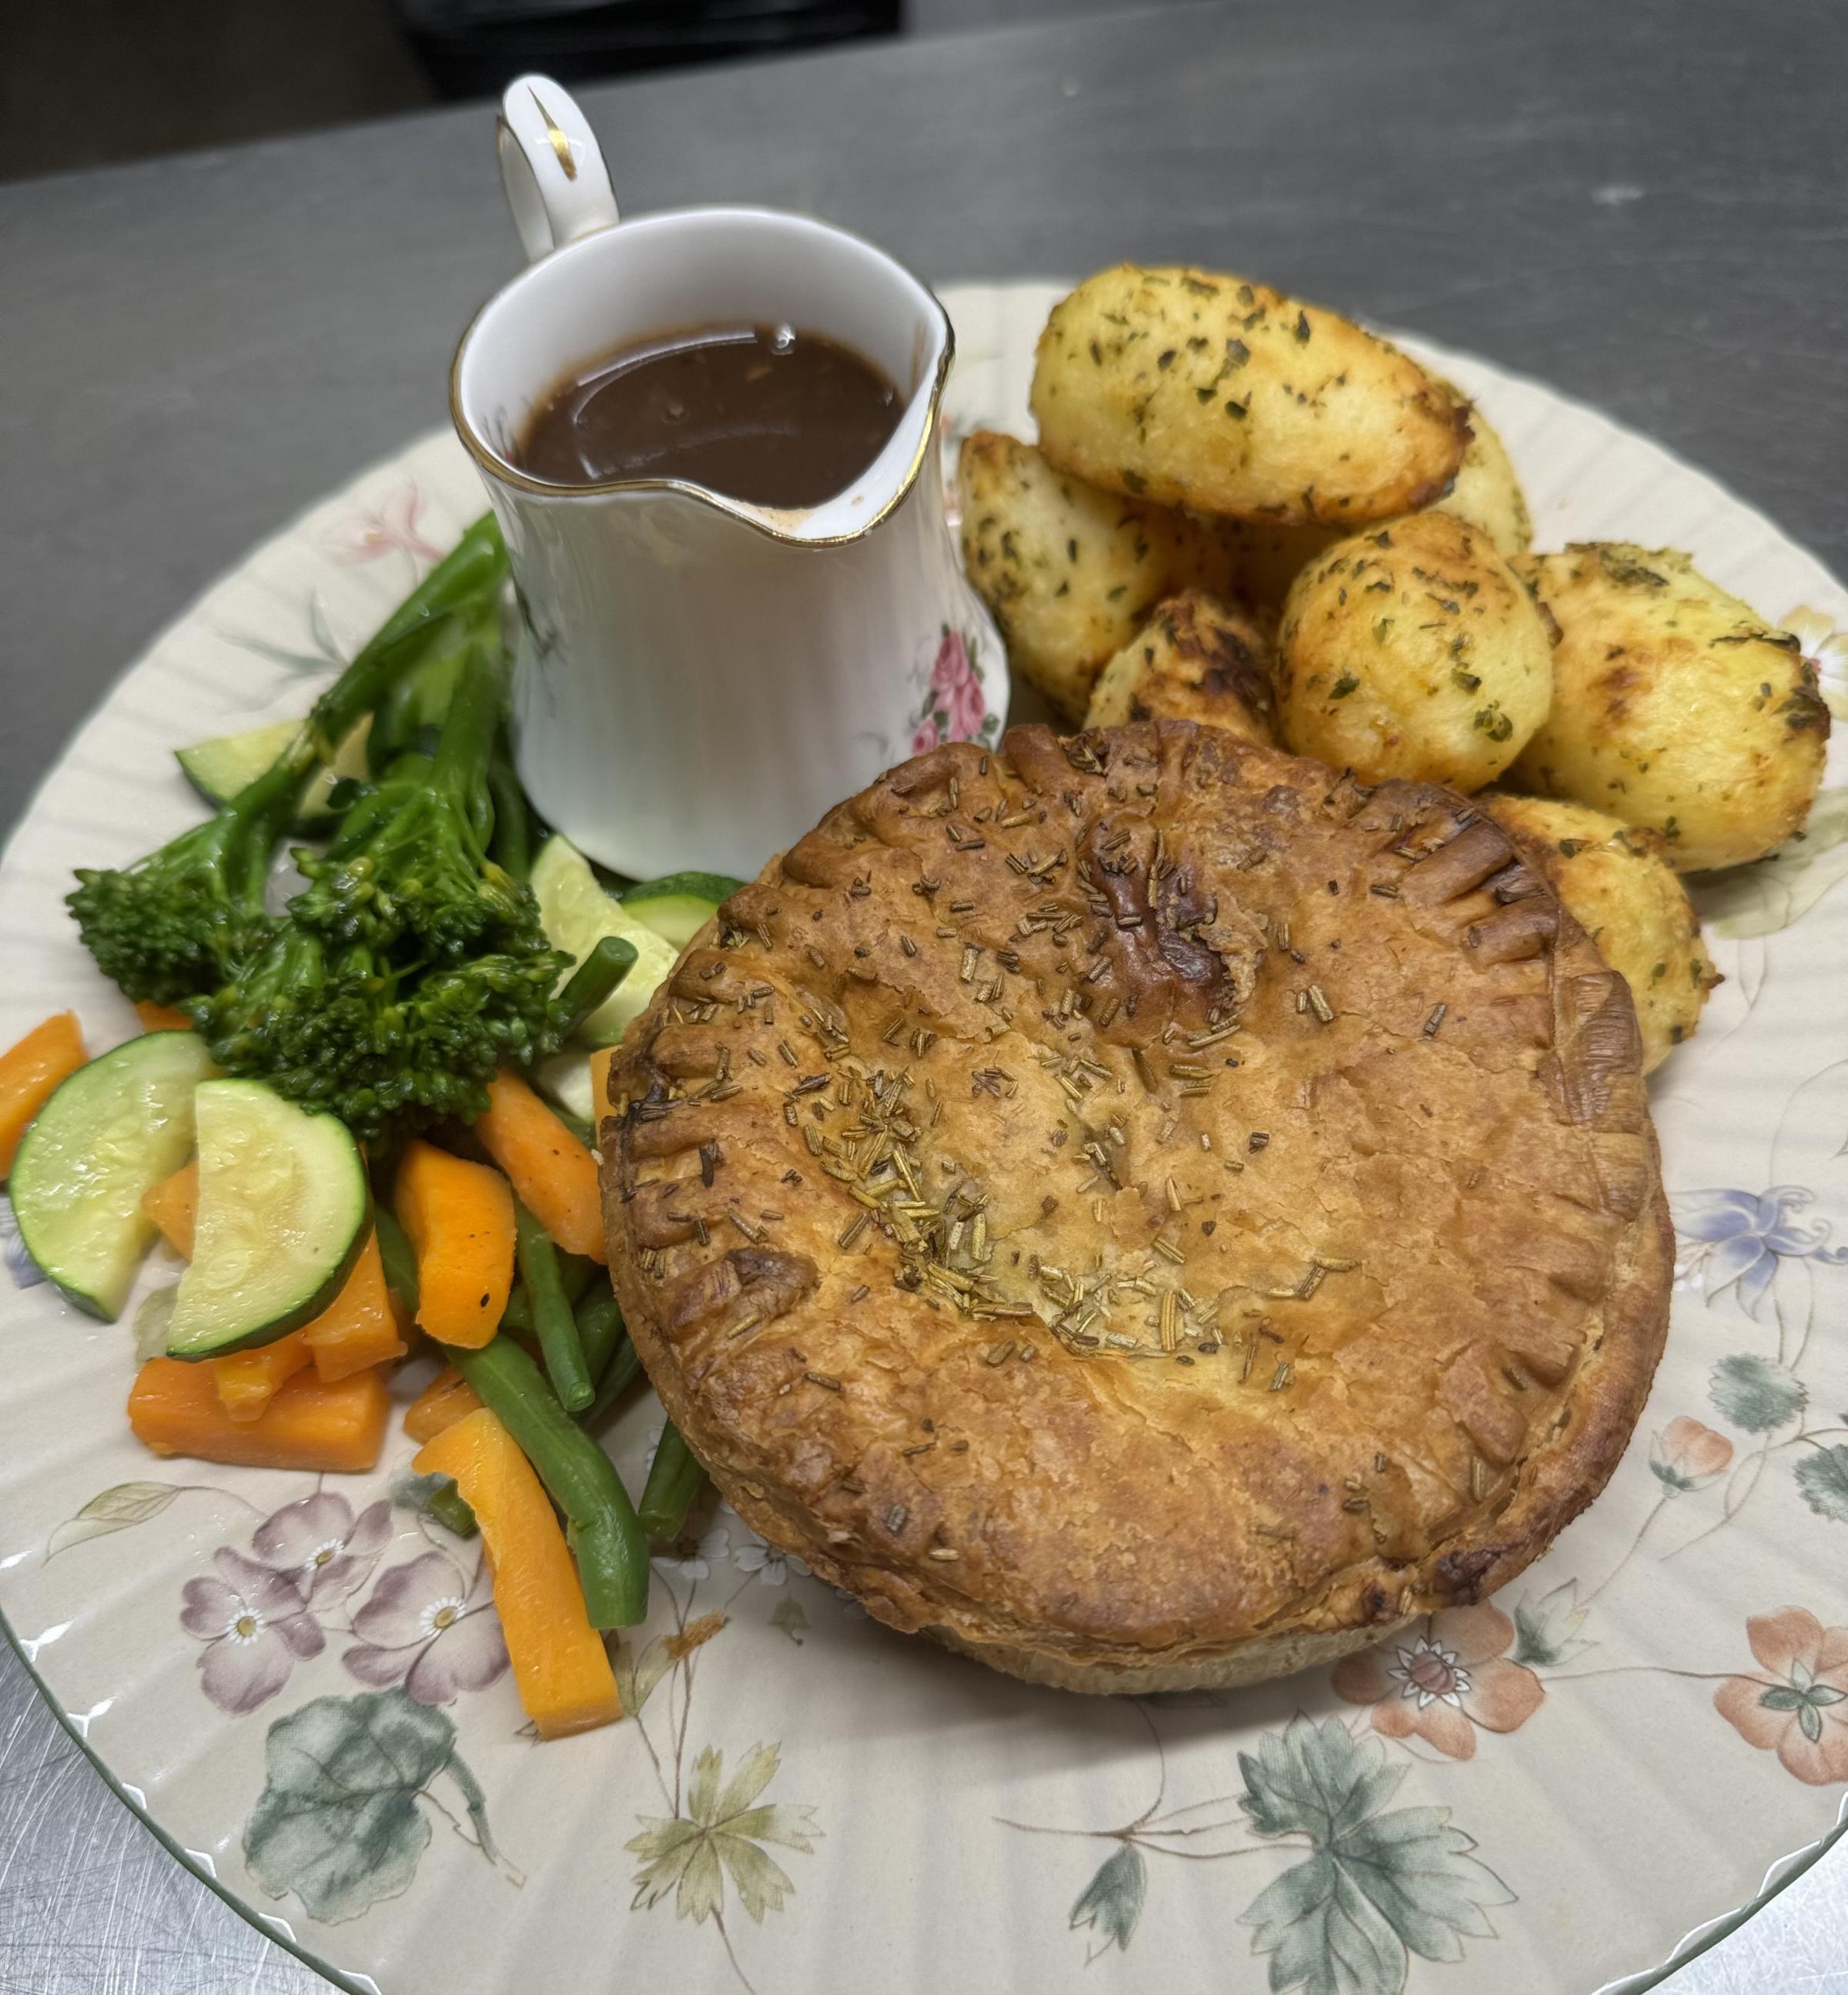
{"x": 600, "y": 1329}
{"x": 553, "y": 1323}
{"x": 517, "y": 1316}
{"x": 450, "y": 1508}
{"x": 398, "y": 1257}
{"x": 619, "y": 1374}
{"x": 606, "y": 1539}
{"x": 674, "y": 1480}
{"x": 594, "y": 979}
{"x": 577, "y": 1275}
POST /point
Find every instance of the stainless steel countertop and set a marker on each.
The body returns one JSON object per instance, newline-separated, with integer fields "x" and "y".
{"x": 1641, "y": 203}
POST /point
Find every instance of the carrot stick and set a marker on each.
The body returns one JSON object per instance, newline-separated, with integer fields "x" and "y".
{"x": 447, "y": 1399}
{"x": 560, "y": 1665}
{"x": 174, "y": 1408}
{"x": 460, "y": 1217}
{"x": 359, "y": 1327}
{"x": 552, "y": 1173}
{"x": 249, "y": 1380}
{"x": 160, "y": 1018}
{"x": 173, "y": 1206}
{"x": 29, "y": 1071}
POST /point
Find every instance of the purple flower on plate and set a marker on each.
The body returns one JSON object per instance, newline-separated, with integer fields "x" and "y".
{"x": 430, "y": 1629}
{"x": 1740, "y": 1237}
{"x": 322, "y": 1546}
{"x": 252, "y": 1621}
{"x": 26, "y": 1272}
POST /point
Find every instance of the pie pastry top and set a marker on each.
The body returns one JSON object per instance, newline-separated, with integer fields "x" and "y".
{"x": 1142, "y": 1209}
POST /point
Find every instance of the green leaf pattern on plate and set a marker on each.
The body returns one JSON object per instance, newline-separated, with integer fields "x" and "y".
{"x": 1112, "y": 1901}
{"x": 1376, "y": 1882}
{"x": 719, "y": 1833}
{"x": 338, "y": 1822}
{"x": 1823, "y": 1479}
{"x": 115, "y": 1509}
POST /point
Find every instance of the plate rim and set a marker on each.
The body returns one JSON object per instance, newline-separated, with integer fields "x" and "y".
{"x": 1782, "y": 1872}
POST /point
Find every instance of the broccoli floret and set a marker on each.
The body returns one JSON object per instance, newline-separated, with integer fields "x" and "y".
{"x": 411, "y": 967}
{"x": 180, "y": 921}
{"x": 175, "y": 923}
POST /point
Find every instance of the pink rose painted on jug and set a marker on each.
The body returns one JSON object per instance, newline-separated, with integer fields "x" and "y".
{"x": 953, "y": 706}
{"x": 957, "y": 689}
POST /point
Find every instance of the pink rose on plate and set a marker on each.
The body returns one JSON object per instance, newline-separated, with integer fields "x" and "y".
{"x": 927, "y": 737}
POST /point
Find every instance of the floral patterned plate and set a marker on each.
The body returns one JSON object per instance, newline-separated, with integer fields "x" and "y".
{"x": 302, "y": 1685}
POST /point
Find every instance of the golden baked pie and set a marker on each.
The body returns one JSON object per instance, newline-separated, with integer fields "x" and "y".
{"x": 1142, "y": 1209}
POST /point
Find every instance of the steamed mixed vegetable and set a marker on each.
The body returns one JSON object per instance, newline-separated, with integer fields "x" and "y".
{"x": 363, "y": 1117}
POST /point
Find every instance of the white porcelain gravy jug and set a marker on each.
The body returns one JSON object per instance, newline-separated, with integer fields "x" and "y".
{"x": 699, "y": 678}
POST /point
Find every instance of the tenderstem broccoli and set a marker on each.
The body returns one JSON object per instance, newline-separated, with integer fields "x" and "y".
{"x": 179, "y": 922}
{"x": 411, "y": 967}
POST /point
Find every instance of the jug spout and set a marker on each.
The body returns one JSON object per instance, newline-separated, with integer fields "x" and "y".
{"x": 929, "y": 347}
{"x": 858, "y": 296}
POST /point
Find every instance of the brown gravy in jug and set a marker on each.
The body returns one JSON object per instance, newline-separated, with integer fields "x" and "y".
{"x": 763, "y": 414}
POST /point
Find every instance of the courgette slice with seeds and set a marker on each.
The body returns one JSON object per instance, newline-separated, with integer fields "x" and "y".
{"x": 108, "y": 1134}
{"x": 284, "y": 1213}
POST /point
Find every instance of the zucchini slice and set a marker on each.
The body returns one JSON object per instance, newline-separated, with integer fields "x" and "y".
{"x": 679, "y": 905}
{"x": 218, "y": 769}
{"x": 283, "y": 1212}
{"x": 577, "y": 914}
{"x": 108, "y": 1134}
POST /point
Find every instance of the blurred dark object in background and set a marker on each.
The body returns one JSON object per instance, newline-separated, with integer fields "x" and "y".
{"x": 86, "y": 83}
{"x": 472, "y": 48}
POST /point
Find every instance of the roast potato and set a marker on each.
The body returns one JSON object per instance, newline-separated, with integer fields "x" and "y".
{"x": 1615, "y": 884}
{"x": 1266, "y": 558}
{"x": 1487, "y": 492}
{"x": 1195, "y": 389}
{"x": 1674, "y": 707}
{"x": 1195, "y": 659}
{"x": 1413, "y": 649}
{"x": 1070, "y": 572}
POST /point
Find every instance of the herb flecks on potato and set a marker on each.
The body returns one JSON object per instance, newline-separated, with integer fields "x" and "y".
{"x": 1674, "y": 707}
{"x": 1206, "y": 391}
{"x": 1614, "y": 881}
{"x": 1195, "y": 659}
{"x": 1413, "y": 651}
{"x": 1487, "y": 494}
{"x": 1070, "y": 572}
{"x": 1266, "y": 558}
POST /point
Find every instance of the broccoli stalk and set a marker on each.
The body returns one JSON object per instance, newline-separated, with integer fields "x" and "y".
{"x": 179, "y": 922}
{"x": 419, "y": 868}
{"x": 411, "y": 967}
